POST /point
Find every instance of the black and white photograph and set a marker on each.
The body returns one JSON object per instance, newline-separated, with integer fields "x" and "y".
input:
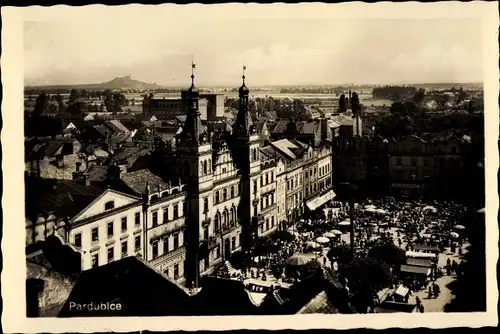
{"x": 235, "y": 160}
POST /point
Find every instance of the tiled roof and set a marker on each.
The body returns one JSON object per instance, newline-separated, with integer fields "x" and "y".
{"x": 65, "y": 198}
{"x": 116, "y": 126}
{"x": 285, "y": 147}
{"x": 319, "y": 304}
{"x": 343, "y": 120}
{"x": 268, "y": 151}
{"x": 137, "y": 180}
{"x": 98, "y": 173}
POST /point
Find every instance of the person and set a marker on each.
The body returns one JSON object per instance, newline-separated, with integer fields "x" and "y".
{"x": 421, "y": 308}
{"x": 417, "y": 300}
{"x": 429, "y": 293}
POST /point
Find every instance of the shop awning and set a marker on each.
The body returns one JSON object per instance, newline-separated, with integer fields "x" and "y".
{"x": 320, "y": 200}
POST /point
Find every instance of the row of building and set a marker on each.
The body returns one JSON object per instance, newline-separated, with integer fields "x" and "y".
{"x": 211, "y": 195}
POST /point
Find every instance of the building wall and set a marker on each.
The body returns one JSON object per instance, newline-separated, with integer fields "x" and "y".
{"x": 97, "y": 249}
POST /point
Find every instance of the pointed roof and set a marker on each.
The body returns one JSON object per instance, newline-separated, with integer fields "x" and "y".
{"x": 193, "y": 129}
{"x": 244, "y": 123}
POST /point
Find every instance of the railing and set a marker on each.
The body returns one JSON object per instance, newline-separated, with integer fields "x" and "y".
{"x": 167, "y": 256}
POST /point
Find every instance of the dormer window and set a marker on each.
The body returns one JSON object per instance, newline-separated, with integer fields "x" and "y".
{"x": 109, "y": 205}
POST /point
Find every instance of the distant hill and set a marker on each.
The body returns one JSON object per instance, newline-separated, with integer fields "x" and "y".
{"x": 122, "y": 83}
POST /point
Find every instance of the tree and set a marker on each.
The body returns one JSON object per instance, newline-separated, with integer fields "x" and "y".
{"x": 342, "y": 104}
{"x": 419, "y": 96}
{"x": 355, "y": 105}
{"x": 388, "y": 253}
{"x": 41, "y": 104}
{"x": 342, "y": 253}
{"x": 74, "y": 95}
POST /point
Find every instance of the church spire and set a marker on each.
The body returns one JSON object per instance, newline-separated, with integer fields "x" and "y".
{"x": 244, "y": 123}
{"x": 193, "y": 132}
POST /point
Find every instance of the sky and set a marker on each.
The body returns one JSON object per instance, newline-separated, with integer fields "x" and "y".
{"x": 157, "y": 46}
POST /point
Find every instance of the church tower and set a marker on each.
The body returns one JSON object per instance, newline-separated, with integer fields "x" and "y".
{"x": 194, "y": 151}
{"x": 247, "y": 158}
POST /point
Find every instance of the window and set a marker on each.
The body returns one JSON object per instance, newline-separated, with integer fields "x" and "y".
{"x": 110, "y": 229}
{"x": 176, "y": 271}
{"x": 176, "y": 240}
{"x": 267, "y": 224}
{"x": 233, "y": 243}
{"x": 155, "y": 218}
{"x": 267, "y": 201}
{"x": 205, "y": 233}
{"x": 205, "y": 167}
{"x": 155, "y": 249}
{"x": 137, "y": 219}
{"x": 399, "y": 162}
{"x": 224, "y": 194}
{"x": 224, "y": 170}
{"x": 217, "y": 196}
{"x": 95, "y": 260}
{"x": 255, "y": 186}
{"x": 176, "y": 211}
{"x": 165, "y": 244}
{"x": 267, "y": 178}
{"x": 261, "y": 180}
{"x": 95, "y": 234}
{"x": 216, "y": 223}
{"x": 124, "y": 224}
{"x": 272, "y": 198}
{"x": 78, "y": 240}
{"x": 272, "y": 176}
{"x": 109, "y": 205}
{"x": 255, "y": 210}
{"x": 124, "y": 249}
{"x": 165, "y": 215}
{"x": 111, "y": 254}
{"x": 205, "y": 205}
{"x": 272, "y": 221}
{"x": 232, "y": 191}
{"x": 137, "y": 243}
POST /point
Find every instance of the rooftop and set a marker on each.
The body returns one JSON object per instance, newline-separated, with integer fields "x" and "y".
{"x": 64, "y": 198}
{"x": 138, "y": 180}
{"x": 129, "y": 281}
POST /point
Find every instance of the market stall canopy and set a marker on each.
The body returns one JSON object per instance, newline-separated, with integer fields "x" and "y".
{"x": 402, "y": 291}
{"x": 329, "y": 235}
{"x": 322, "y": 240}
{"x": 454, "y": 235}
{"x": 320, "y": 200}
{"x": 337, "y": 232}
{"x": 344, "y": 223}
{"x": 420, "y": 255}
{"x": 415, "y": 270}
{"x": 312, "y": 244}
{"x": 298, "y": 260}
{"x": 460, "y": 227}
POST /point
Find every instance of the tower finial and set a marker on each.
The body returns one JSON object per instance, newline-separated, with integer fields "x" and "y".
{"x": 193, "y": 66}
{"x": 244, "y": 68}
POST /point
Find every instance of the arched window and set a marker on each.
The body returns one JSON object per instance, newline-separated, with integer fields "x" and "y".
{"x": 205, "y": 167}
{"x": 233, "y": 216}
{"x": 209, "y": 167}
{"x": 224, "y": 219}
{"x": 201, "y": 168}
{"x": 232, "y": 191}
{"x": 217, "y": 223}
{"x": 217, "y": 197}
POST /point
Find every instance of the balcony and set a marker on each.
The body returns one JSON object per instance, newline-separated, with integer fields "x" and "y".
{"x": 168, "y": 256}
